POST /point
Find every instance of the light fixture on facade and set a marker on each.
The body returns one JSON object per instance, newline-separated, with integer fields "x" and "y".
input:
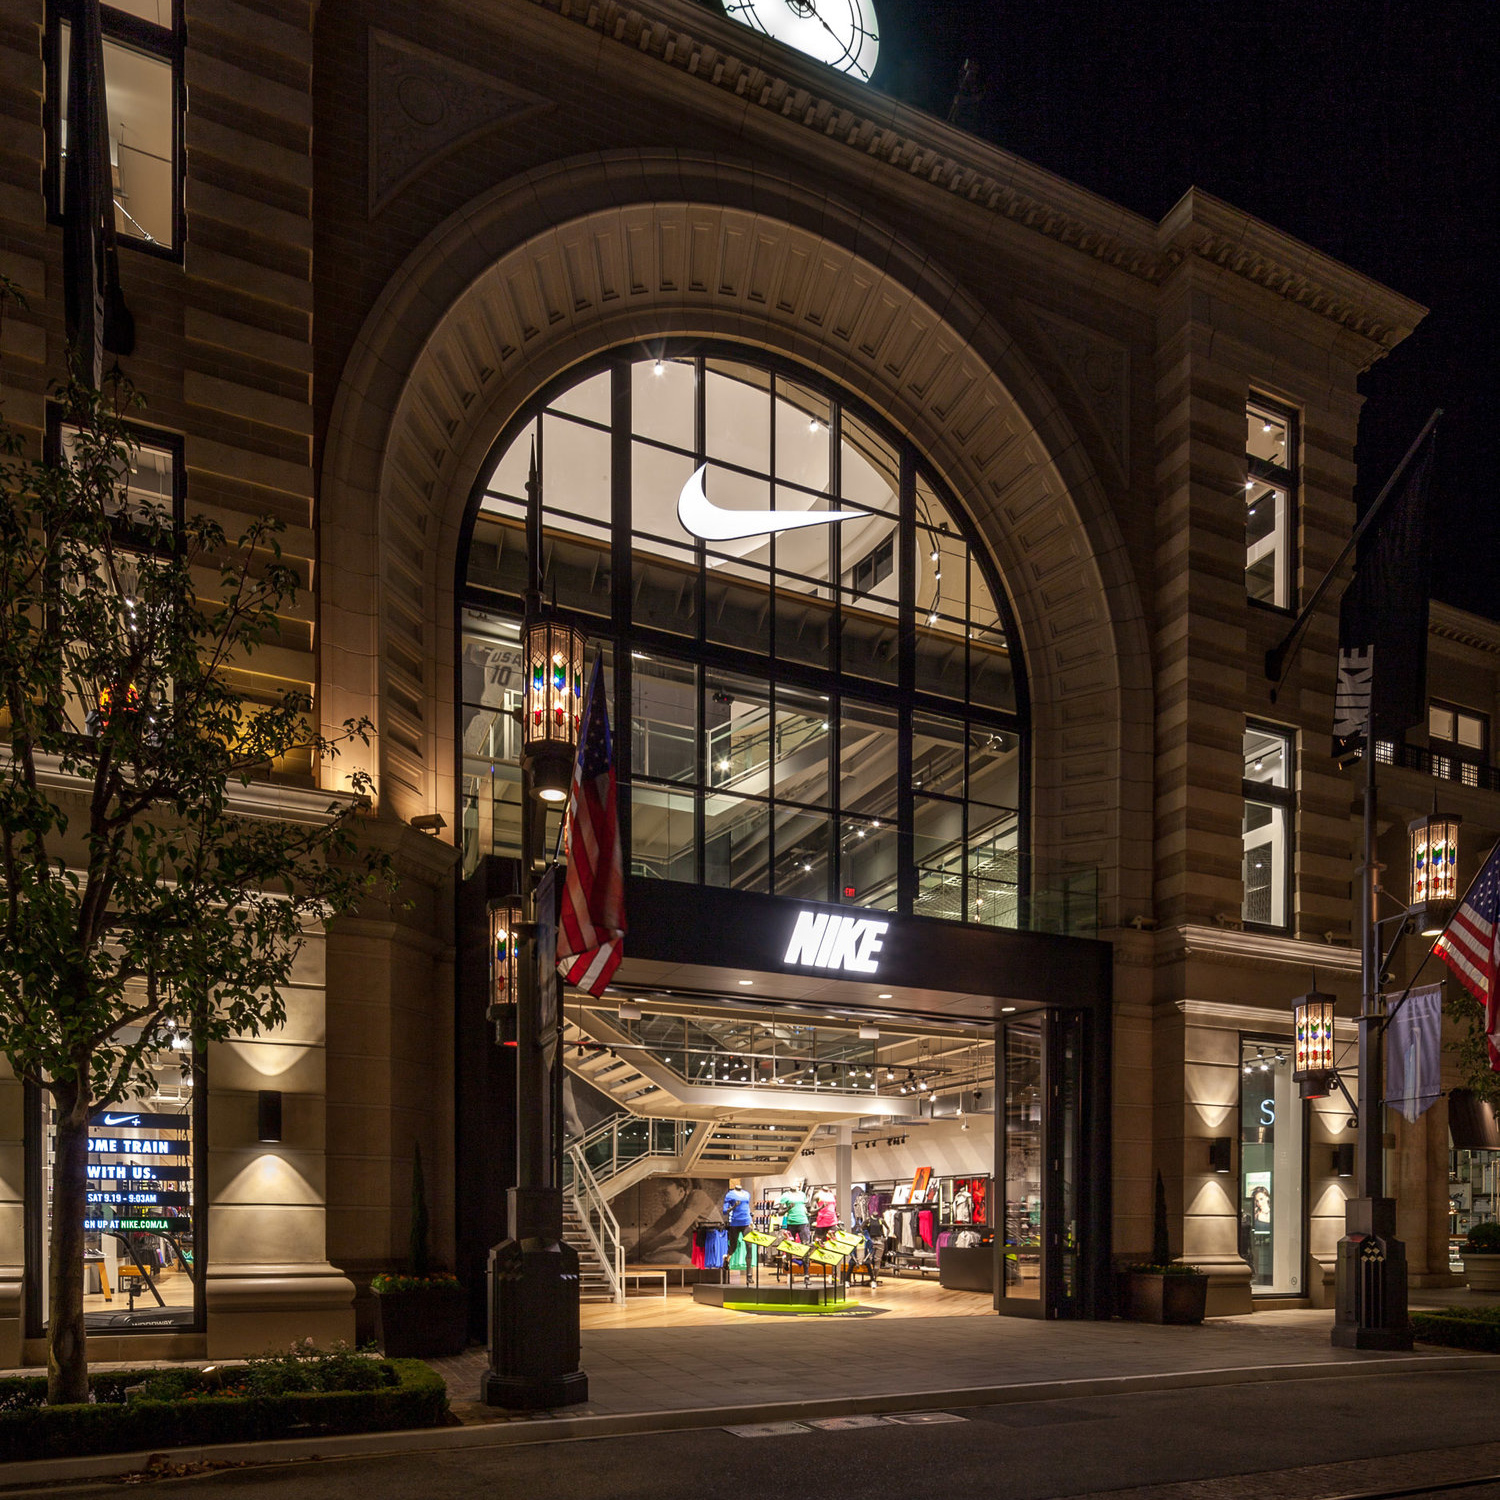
{"x": 506, "y": 916}
{"x": 1312, "y": 1033}
{"x": 268, "y": 1115}
{"x": 1434, "y": 871}
{"x": 551, "y": 704}
{"x": 1220, "y": 1148}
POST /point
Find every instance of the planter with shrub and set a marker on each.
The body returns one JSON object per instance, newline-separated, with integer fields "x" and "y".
{"x": 302, "y": 1393}
{"x": 1165, "y": 1294}
{"x": 1164, "y": 1290}
{"x": 423, "y": 1315}
{"x": 420, "y": 1317}
{"x": 1482, "y": 1257}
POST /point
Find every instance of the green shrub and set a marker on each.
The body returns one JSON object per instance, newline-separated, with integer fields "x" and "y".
{"x": 438, "y": 1281}
{"x": 213, "y": 1410}
{"x": 1172, "y": 1268}
{"x": 1483, "y": 1239}
{"x": 1475, "y": 1328}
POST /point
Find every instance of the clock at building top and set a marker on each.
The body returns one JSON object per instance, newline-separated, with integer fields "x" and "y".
{"x": 840, "y": 33}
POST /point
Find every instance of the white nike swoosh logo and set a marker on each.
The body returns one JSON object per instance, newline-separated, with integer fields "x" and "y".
{"x": 701, "y": 518}
{"x": 122, "y": 1119}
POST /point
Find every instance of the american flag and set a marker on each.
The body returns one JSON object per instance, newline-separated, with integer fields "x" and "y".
{"x": 1470, "y": 946}
{"x": 591, "y": 928}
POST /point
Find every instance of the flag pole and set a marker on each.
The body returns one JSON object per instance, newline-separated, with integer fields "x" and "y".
{"x": 1279, "y": 656}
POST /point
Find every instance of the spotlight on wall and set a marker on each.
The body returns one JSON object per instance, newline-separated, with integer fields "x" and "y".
{"x": 1343, "y": 1159}
{"x": 268, "y": 1115}
{"x": 429, "y": 823}
{"x": 1220, "y": 1149}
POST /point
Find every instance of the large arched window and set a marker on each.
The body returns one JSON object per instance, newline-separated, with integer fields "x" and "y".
{"x": 828, "y": 712}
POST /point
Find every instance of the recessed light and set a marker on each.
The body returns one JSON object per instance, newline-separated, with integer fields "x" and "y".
{"x": 1005, "y": 1010}
{"x": 886, "y": 996}
{"x": 747, "y": 982}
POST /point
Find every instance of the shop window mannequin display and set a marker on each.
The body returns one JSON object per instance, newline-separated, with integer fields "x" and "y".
{"x": 825, "y": 1210}
{"x": 736, "y": 1213}
{"x": 794, "y": 1219}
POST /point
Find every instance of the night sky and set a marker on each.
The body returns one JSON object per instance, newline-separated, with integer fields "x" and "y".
{"x": 1367, "y": 128}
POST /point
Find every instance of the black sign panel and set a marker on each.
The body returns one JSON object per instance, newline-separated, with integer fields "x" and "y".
{"x": 120, "y": 1118}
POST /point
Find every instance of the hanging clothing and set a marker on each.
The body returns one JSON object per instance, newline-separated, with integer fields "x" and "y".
{"x": 697, "y": 1252}
{"x": 979, "y": 1190}
{"x": 963, "y": 1206}
{"x": 888, "y": 1218}
{"x": 907, "y": 1240}
{"x": 715, "y": 1248}
{"x": 924, "y": 1226}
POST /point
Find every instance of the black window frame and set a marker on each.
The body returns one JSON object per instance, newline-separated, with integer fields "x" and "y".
{"x": 1279, "y": 797}
{"x": 900, "y": 695}
{"x": 163, "y": 42}
{"x": 1285, "y": 477}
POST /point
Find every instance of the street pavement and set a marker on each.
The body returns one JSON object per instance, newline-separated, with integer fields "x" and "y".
{"x": 1306, "y": 1440}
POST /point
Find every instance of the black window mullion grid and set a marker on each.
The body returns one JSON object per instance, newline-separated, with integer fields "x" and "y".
{"x": 906, "y": 672}
{"x": 620, "y": 583}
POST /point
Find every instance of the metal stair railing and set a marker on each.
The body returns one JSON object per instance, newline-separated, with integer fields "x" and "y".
{"x": 599, "y": 1224}
{"x": 613, "y": 1144}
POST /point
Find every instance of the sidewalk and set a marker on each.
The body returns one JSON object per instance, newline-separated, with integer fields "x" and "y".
{"x": 749, "y": 1362}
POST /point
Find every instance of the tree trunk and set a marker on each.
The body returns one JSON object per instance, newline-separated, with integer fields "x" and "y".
{"x": 67, "y": 1350}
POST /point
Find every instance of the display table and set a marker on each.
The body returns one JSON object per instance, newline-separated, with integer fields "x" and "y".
{"x": 971, "y": 1269}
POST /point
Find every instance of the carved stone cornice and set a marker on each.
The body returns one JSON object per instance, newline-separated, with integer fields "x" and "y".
{"x": 1255, "y": 950}
{"x": 1450, "y": 623}
{"x": 770, "y": 79}
{"x": 1219, "y": 1012}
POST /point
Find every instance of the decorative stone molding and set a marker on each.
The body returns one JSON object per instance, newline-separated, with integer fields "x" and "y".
{"x": 1217, "y": 1013}
{"x": 716, "y": 51}
{"x": 423, "y": 105}
{"x": 1256, "y": 950}
{"x": 513, "y": 291}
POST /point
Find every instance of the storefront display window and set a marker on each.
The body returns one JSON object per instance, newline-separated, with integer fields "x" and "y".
{"x": 1271, "y": 1169}
{"x": 142, "y": 1270}
{"x": 767, "y": 749}
{"x": 1022, "y": 1151}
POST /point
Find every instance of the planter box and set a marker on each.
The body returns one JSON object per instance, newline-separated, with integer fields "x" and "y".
{"x": 425, "y": 1324}
{"x": 1482, "y": 1271}
{"x": 1154, "y": 1297}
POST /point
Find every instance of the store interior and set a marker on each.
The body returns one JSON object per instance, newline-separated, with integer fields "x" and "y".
{"x": 771, "y": 1149}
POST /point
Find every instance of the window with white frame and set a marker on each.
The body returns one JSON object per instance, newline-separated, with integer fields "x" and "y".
{"x": 1270, "y": 496}
{"x": 1460, "y": 741}
{"x": 1267, "y": 831}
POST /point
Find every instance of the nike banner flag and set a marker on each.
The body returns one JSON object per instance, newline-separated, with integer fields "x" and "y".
{"x": 1382, "y": 675}
{"x": 1415, "y": 1056}
{"x": 1470, "y": 946}
{"x": 591, "y": 925}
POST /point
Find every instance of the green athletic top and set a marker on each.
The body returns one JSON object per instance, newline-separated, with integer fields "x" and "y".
{"x": 794, "y": 1205}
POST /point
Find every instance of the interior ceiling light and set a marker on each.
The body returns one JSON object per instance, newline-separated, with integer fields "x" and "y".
{"x": 658, "y": 367}
{"x": 747, "y": 982}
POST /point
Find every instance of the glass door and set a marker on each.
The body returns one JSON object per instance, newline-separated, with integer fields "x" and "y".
{"x": 1040, "y": 1129}
{"x": 1019, "y": 1150}
{"x": 1272, "y": 1116}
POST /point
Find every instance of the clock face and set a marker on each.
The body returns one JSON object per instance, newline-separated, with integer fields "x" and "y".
{"x": 840, "y": 33}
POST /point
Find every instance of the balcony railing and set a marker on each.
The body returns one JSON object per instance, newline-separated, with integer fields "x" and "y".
{"x": 1439, "y": 765}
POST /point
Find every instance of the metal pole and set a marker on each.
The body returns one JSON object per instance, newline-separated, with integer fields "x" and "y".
{"x": 1370, "y": 1175}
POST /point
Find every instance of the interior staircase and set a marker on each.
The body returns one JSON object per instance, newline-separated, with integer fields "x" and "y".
{"x": 594, "y": 1281}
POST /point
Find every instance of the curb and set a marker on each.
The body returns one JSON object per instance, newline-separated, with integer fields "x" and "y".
{"x": 521, "y": 1431}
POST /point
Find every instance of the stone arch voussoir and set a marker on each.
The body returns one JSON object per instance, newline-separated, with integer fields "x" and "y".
{"x": 565, "y": 263}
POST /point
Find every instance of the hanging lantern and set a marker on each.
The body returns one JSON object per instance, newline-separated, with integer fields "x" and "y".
{"x": 1312, "y": 1044}
{"x": 1434, "y": 871}
{"x": 552, "y": 703}
{"x": 505, "y": 919}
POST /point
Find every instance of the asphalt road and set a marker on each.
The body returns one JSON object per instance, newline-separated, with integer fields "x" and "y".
{"x": 1390, "y": 1432}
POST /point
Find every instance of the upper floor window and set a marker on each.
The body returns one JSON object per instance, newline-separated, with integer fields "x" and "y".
{"x": 824, "y": 709}
{"x": 1270, "y": 497}
{"x": 1460, "y": 741}
{"x": 142, "y": 95}
{"x": 1269, "y": 794}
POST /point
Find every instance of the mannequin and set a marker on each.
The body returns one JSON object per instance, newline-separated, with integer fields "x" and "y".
{"x": 825, "y": 1210}
{"x": 736, "y": 1213}
{"x": 793, "y": 1206}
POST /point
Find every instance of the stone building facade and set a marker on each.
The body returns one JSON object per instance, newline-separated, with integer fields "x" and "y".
{"x": 401, "y": 222}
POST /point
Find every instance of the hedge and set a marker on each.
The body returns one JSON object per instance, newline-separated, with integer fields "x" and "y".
{"x": 419, "y": 1398}
{"x": 1460, "y": 1328}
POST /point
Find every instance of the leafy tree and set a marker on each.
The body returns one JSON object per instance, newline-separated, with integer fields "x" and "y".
{"x": 138, "y": 905}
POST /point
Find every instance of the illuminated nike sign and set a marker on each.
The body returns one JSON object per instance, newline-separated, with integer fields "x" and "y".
{"x": 824, "y": 941}
{"x": 122, "y": 1119}
{"x": 701, "y": 518}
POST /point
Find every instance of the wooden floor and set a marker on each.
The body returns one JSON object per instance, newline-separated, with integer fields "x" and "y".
{"x": 899, "y": 1297}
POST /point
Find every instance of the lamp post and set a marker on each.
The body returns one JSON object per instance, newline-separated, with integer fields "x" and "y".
{"x": 533, "y": 1272}
{"x": 1371, "y": 1306}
